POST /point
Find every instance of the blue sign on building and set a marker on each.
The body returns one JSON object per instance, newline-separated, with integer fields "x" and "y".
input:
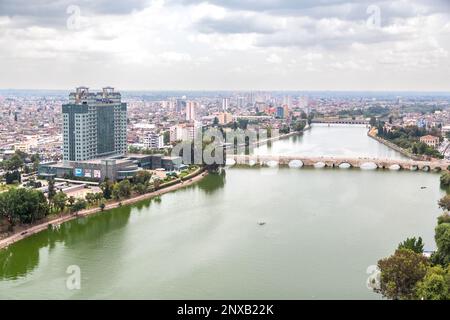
{"x": 78, "y": 172}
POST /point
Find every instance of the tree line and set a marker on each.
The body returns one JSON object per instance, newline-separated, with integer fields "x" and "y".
{"x": 409, "y": 275}
{"x": 409, "y": 138}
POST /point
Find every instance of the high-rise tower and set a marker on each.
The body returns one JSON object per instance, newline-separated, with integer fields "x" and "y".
{"x": 94, "y": 124}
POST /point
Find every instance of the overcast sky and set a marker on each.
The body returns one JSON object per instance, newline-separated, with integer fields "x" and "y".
{"x": 226, "y": 44}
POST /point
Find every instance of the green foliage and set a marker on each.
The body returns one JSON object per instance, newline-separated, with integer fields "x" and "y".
{"x": 78, "y": 205}
{"x": 444, "y": 218}
{"x": 60, "y": 200}
{"x": 107, "y": 188}
{"x": 299, "y": 126}
{"x": 51, "y": 189}
{"x": 435, "y": 285}
{"x": 445, "y": 179}
{"x": 23, "y": 205}
{"x": 166, "y": 137}
{"x": 13, "y": 177}
{"x": 121, "y": 189}
{"x": 91, "y": 198}
{"x": 400, "y": 273}
{"x": 442, "y": 238}
{"x": 140, "y": 188}
{"x": 408, "y": 138}
{"x": 71, "y": 200}
{"x": 15, "y": 163}
{"x": 142, "y": 177}
{"x": 156, "y": 184}
{"x": 444, "y": 203}
{"x": 413, "y": 244}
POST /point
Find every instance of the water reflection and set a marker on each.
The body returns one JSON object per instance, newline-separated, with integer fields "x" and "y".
{"x": 212, "y": 182}
{"x": 22, "y": 257}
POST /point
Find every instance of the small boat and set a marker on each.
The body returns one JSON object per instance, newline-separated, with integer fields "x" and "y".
{"x": 423, "y": 187}
{"x": 261, "y": 223}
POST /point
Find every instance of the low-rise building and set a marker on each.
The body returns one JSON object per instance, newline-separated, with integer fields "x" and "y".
{"x": 430, "y": 140}
{"x": 114, "y": 168}
{"x": 153, "y": 140}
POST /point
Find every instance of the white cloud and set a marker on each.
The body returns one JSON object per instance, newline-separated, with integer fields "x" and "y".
{"x": 144, "y": 45}
{"x": 274, "y": 58}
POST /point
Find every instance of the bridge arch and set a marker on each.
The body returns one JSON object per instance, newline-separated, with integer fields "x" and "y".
{"x": 395, "y": 167}
{"x": 295, "y": 164}
{"x": 368, "y": 165}
{"x": 320, "y": 164}
{"x": 344, "y": 165}
{"x": 230, "y": 162}
{"x": 271, "y": 163}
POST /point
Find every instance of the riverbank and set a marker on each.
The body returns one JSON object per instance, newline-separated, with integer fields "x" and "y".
{"x": 372, "y": 134}
{"x": 43, "y": 225}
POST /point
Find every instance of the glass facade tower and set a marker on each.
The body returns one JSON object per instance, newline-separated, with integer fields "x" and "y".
{"x": 94, "y": 125}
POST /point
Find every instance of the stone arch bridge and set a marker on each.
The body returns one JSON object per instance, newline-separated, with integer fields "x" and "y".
{"x": 343, "y": 162}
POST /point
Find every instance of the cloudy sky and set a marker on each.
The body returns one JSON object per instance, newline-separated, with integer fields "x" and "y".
{"x": 226, "y": 44}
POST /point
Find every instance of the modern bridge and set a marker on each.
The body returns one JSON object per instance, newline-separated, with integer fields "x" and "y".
{"x": 338, "y": 162}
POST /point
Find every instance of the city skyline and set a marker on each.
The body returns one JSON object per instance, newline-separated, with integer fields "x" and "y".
{"x": 337, "y": 45}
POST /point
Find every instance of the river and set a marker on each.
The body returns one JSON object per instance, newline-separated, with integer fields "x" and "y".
{"x": 324, "y": 228}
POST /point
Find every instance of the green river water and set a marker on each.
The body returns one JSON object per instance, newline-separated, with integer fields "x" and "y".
{"x": 324, "y": 228}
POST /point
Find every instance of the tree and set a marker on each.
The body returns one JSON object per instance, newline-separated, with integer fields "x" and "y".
{"x": 71, "y": 200}
{"x": 444, "y": 203}
{"x": 215, "y": 122}
{"x": 35, "y": 159}
{"x": 373, "y": 122}
{"x": 78, "y": 205}
{"x": 156, "y": 184}
{"x": 124, "y": 187}
{"x": 414, "y": 149}
{"x": 51, "y": 189}
{"x": 413, "y": 244}
{"x": 445, "y": 179}
{"x": 115, "y": 191}
{"x": 90, "y": 198}
{"x": 166, "y": 137}
{"x": 59, "y": 200}
{"x": 13, "y": 177}
{"x": 98, "y": 196}
{"x": 444, "y": 218}
{"x": 303, "y": 115}
{"x": 15, "y": 163}
{"x": 442, "y": 238}
{"x": 106, "y": 187}
{"x": 23, "y": 205}
{"x": 399, "y": 274}
{"x": 140, "y": 188}
{"x": 142, "y": 177}
{"x": 435, "y": 285}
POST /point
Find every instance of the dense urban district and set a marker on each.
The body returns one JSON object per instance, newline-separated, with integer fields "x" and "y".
{"x": 64, "y": 154}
